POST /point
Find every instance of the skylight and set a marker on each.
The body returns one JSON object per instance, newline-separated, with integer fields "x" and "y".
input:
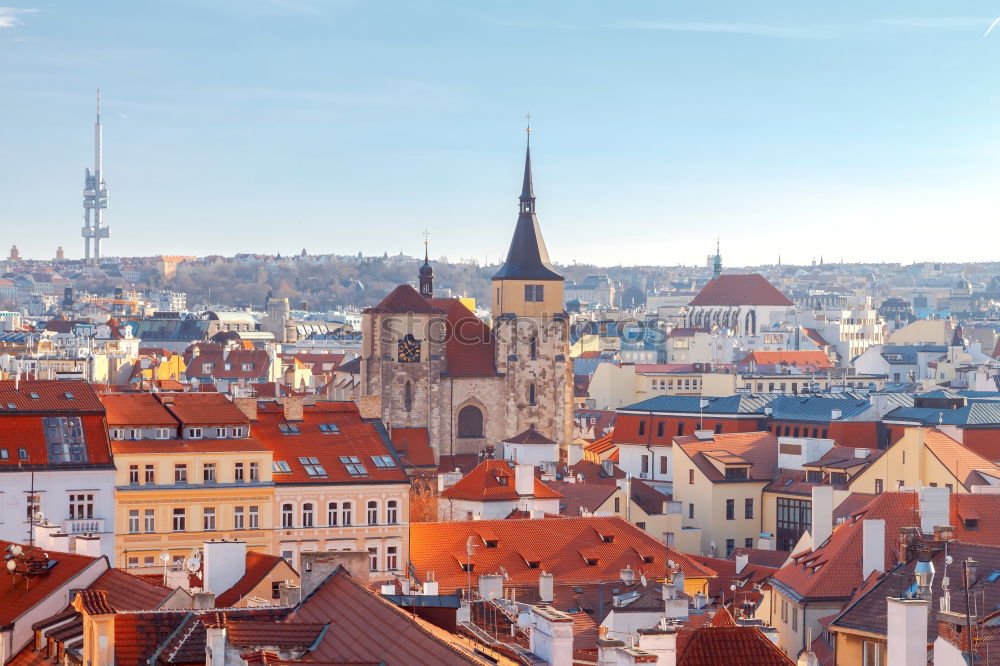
{"x": 329, "y": 428}
{"x": 383, "y": 461}
{"x": 312, "y": 467}
{"x": 34, "y": 396}
{"x": 354, "y": 466}
{"x": 288, "y": 429}
{"x": 281, "y": 466}
{"x": 69, "y": 396}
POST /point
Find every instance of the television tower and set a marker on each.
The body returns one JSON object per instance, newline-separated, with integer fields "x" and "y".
{"x": 95, "y": 196}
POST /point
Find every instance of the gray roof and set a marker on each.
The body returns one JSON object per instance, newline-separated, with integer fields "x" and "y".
{"x": 976, "y": 413}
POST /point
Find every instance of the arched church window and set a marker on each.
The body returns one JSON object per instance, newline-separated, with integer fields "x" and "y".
{"x": 531, "y": 394}
{"x": 533, "y": 347}
{"x": 407, "y": 397}
{"x": 470, "y": 422}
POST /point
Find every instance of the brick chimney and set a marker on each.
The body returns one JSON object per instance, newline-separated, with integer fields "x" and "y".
{"x": 318, "y": 565}
{"x": 248, "y": 406}
{"x": 944, "y": 533}
{"x": 293, "y": 407}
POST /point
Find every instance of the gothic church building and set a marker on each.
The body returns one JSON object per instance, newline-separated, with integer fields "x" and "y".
{"x": 432, "y": 364}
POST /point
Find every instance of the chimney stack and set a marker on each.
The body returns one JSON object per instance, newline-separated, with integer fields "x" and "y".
{"x": 524, "y": 480}
{"x": 292, "y": 405}
{"x": 822, "y": 514}
{"x": 906, "y": 623}
{"x": 225, "y": 562}
{"x": 551, "y": 636}
{"x": 546, "y": 587}
{"x": 872, "y": 547}
{"x": 248, "y": 406}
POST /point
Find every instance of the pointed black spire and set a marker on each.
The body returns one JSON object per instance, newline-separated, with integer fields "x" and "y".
{"x": 426, "y": 273}
{"x": 527, "y": 258}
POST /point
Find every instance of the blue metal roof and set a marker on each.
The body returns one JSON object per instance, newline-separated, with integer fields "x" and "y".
{"x": 691, "y": 404}
{"x": 908, "y": 353}
{"x": 816, "y": 408}
{"x": 976, "y": 413}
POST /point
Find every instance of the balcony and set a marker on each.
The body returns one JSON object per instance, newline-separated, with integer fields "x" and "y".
{"x": 83, "y": 526}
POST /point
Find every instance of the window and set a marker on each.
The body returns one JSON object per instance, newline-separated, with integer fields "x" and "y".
{"x": 118, "y": 433}
{"x": 180, "y": 520}
{"x": 33, "y": 506}
{"x": 680, "y": 429}
{"x": 664, "y": 465}
{"x": 533, "y": 348}
{"x": 238, "y": 518}
{"x": 814, "y": 476}
{"x": 392, "y": 558}
{"x": 531, "y": 394}
{"x": 279, "y": 466}
{"x": 133, "y": 562}
{"x": 4, "y": 454}
{"x": 794, "y": 517}
{"x": 470, "y": 422}
{"x": 286, "y": 515}
{"x": 330, "y": 428}
{"x": 347, "y": 515}
{"x": 736, "y": 473}
{"x": 691, "y": 476}
{"x": 795, "y": 618}
{"x": 81, "y": 506}
{"x": 254, "y": 515}
{"x": 220, "y": 433}
{"x": 748, "y": 508}
{"x": 312, "y": 467}
{"x": 718, "y": 428}
{"x": 618, "y": 505}
{"x": 149, "y": 521}
{"x": 254, "y": 471}
{"x": 133, "y": 521}
{"x": 730, "y": 547}
{"x": 642, "y": 428}
{"x": 180, "y": 474}
{"x": 878, "y": 486}
{"x": 133, "y": 474}
{"x": 237, "y": 432}
{"x": 534, "y": 293}
{"x": 246, "y": 367}
{"x": 148, "y": 561}
{"x": 373, "y": 559}
{"x": 383, "y": 461}
{"x": 838, "y": 478}
{"x": 22, "y": 454}
{"x": 392, "y": 513}
{"x": 288, "y": 429}
{"x": 354, "y": 466}
{"x": 150, "y": 474}
{"x": 873, "y": 654}
{"x": 208, "y": 518}
{"x": 748, "y": 542}
{"x": 331, "y": 514}
{"x": 194, "y": 433}
{"x": 275, "y": 590}
{"x": 784, "y": 610}
{"x": 691, "y": 510}
{"x": 64, "y": 439}
{"x": 373, "y": 512}
{"x": 307, "y": 514}
{"x": 208, "y": 473}
{"x": 162, "y": 433}
{"x": 238, "y": 471}
{"x": 407, "y": 397}
{"x": 644, "y": 464}
{"x": 730, "y": 511}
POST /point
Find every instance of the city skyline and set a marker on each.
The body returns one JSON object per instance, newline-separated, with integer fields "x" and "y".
{"x": 868, "y": 128}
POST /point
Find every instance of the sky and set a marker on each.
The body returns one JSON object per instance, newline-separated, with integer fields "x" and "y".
{"x": 855, "y": 130}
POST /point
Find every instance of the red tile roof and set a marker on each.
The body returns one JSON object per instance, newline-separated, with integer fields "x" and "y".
{"x": 286, "y": 635}
{"x": 964, "y": 463}
{"x": 371, "y": 629}
{"x": 752, "y": 289}
{"x": 529, "y": 436}
{"x": 201, "y": 409}
{"x": 258, "y": 567}
{"x": 470, "y": 348}
{"x": 404, "y": 299}
{"x": 493, "y": 480}
{"x": 579, "y": 496}
{"x": 212, "y": 359}
{"x": 760, "y": 449}
{"x": 413, "y": 446}
{"x": 25, "y": 431}
{"x": 136, "y": 410}
{"x": 127, "y": 592}
{"x": 559, "y": 544}
{"x": 53, "y": 396}
{"x": 789, "y": 357}
{"x": 732, "y": 646}
{"x": 15, "y": 600}
{"x": 356, "y": 437}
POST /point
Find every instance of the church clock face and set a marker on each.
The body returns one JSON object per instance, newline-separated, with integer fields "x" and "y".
{"x": 409, "y": 350}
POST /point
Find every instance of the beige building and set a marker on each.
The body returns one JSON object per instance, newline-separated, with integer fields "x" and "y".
{"x": 719, "y": 479}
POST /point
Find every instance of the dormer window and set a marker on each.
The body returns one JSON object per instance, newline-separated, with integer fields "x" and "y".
{"x": 194, "y": 433}
{"x": 491, "y": 543}
{"x": 502, "y": 480}
{"x": 468, "y": 566}
{"x": 591, "y": 562}
{"x": 608, "y": 538}
{"x": 737, "y": 473}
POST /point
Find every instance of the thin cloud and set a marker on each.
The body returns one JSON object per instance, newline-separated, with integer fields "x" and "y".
{"x": 9, "y": 16}
{"x": 815, "y": 31}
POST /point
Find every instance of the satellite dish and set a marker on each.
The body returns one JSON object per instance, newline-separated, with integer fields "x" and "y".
{"x": 16, "y": 550}
{"x": 670, "y": 563}
{"x": 193, "y": 564}
{"x": 523, "y": 621}
{"x": 642, "y": 579}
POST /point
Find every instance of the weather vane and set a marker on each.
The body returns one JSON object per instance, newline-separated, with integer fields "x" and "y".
{"x": 528, "y": 118}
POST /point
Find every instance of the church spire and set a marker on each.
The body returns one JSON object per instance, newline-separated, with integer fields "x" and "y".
{"x": 717, "y": 266}
{"x": 426, "y": 273}
{"x": 527, "y": 198}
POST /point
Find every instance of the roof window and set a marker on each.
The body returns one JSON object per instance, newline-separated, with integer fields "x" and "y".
{"x": 383, "y": 461}
{"x": 69, "y": 396}
{"x": 4, "y": 454}
{"x": 22, "y": 454}
{"x": 34, "y": 396}
{"x": 11, "y": 405}
{"x": 288, "y": 429}
{"x": 329, "y": 428}
{"x": 354, "y": 466}
{"x": 992, "y": 578}
{"x": 280, "y": 466}
{"x": 312, "y": 466}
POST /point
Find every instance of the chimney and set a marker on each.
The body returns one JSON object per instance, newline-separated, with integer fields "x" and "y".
{"x": 59, "y": 541}
{"x": 289, "y": 594}
{"x": 215, "y": 645}
{"x": 248, "y": 406}
{"x": 546, "y": 587}
{"x": 907, "y": 537}
{"x": 491, "y": 586}
{"x": 906, "y": 623}
{"x": 43, "y": 534}
{"x": 225, "y": 563}
{"x": 944, "y": 533}
{"x": 742, "y": 560}
{"x": 607, "y": 648}
{"x": 316, "y": 566}
{"x": 430, "y": 588}
{"x": 293, "y": 407}
{"x": 88, "y": 545}
{"x": 98, "y": 632}
{"x": 551, "y": 636}
{"x": 872, "y": 547}
{"x": 835, "y": 414}
{"x": 934, "y": 508}
{"x": 660, "y": 641}
{"x": 448, "y": 479}
{"x": 765, "y": 541}
{"x": 203, "y": 600}
{"x": 178, "y": 578}
{"x": 822, "y": 514}
{"x": 524, "y": 479}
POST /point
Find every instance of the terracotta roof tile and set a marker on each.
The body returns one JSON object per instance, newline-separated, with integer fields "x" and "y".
{"x": 760, "y": 449}
{"x": 258, "y": 566}
{"x": 581, "y": 496}
{"x": 95, "y": 602}
{"x": 201, "y": 409}
{"x": 16, "y": 599}
{"x": 732, "y": 646}
{"x": 752, "y": 289}
{"x": 529, "y": 436}
{"x": 494, "y": 480}
{"x": 53, "y": 396}
{"x": 414, "y": 446}
{"x": 127, "y": 592}
{"x": 26, "y": 431}
{"x": 404, "y": 299}
{"x": 789, "y": 357}
{"x": 136, "y": 410}
{"x": 470, "y": 348}
{"x": 284, "y": 635}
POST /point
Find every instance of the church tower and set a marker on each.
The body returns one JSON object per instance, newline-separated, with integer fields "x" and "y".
{"x": 426, "y": 276}
{"x": 531, "y": 329}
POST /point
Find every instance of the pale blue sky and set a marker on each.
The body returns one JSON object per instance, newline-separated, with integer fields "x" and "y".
{"x": 868, "y": 130}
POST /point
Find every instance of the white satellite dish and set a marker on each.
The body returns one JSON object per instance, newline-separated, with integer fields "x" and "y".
{"x": 523, "y": 620}
{"x": 642, "y": 579}
{"x": 164, "y": 557}
{"x": 193, "y": 564}
{"x": 16, "y": 550}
